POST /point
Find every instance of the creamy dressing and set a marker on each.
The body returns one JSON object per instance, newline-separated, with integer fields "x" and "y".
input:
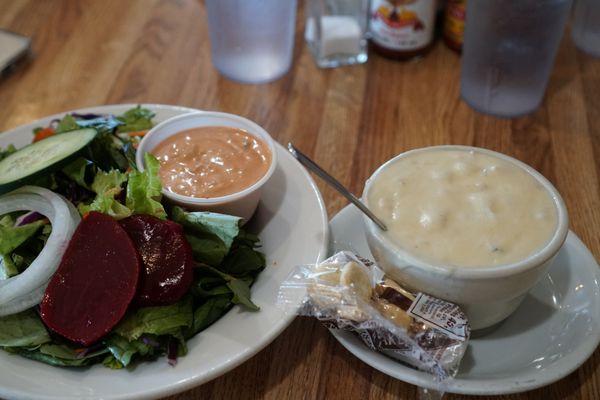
{"x": 211, "y": 161}
{"x": 463, "y": 208}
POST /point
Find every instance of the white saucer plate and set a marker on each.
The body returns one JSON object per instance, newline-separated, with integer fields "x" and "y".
{"x": 291, "y": 222}
{"x": 556, "y": 328}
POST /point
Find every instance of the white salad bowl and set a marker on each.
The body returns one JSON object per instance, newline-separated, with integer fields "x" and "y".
{"x": 243, "y": 203}
{"x": 291, "y": 223}
{"x": 488, "y": 294}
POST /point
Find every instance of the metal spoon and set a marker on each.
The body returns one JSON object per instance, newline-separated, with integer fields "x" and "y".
{"x": 311, "y": 165}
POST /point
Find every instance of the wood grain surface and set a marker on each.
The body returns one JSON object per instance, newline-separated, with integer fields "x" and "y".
{"x": 349, "y": 119}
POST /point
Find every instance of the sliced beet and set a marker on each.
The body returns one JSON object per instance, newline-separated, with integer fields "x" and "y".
{"x": 95, "y": 282}
{"x": 167, "y": 263}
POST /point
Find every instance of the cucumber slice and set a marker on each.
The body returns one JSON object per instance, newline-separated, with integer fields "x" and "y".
{"x": 42, "y": 157}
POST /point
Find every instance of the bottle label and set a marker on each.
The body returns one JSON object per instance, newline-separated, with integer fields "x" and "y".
{"x": 402, "y": 24}
{"x": 454, "y": 24}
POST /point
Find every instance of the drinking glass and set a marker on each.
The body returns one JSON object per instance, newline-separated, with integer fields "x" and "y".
{"x": 509, "y": 52}
{"x": 252, "y": 41}
{"x": 586, "y": 26}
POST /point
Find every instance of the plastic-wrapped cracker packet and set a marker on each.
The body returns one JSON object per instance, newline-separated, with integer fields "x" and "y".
{"x": 351, "y": 293}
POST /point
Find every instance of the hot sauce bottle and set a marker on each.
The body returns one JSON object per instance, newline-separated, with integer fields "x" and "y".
{"x": 454, "y": 24}
{"x": 402, "y": 29}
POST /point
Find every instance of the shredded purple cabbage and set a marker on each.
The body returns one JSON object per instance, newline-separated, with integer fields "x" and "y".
{"x": 88, "y": 115}
{"x": 28, "y": 218}
{"x": 54, "y": 123}
{"x": 172, "y": 347}
{"x": 148, "y": 341}
{"x": 81, "y": 353}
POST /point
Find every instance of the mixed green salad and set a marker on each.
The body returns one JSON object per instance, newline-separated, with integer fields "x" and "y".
{"x": 100, "y": 176}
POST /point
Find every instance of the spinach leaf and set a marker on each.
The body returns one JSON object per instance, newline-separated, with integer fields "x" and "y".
{"x": 239, "y": 287}
{"x": 247, "y": 239}
{"x": 129, "y": 151}
{"x": 144, "y": 189}
{"x": 24, "y": 329}
{"x": 241, "y": 293}
{"x": 210, "y": 311}
{"x": 208, "y": 250}
{"x": 210, "y": 235}
{"x": 135, "y": 119}
{"x": 200, "y": 291}
{"x": 106, "y": 151}
{"x": 78, "y": 171}
{"x": 243, "y": 261}
{"x": 158, "y": 321}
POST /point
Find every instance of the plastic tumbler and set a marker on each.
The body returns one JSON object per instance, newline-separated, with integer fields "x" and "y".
{"x": 586, "y": 26}
{"x": 252, "y": 41}
{"x": 509, "y": 52}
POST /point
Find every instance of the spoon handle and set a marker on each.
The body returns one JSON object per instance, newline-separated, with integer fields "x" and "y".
{"x": 311, "y": 165}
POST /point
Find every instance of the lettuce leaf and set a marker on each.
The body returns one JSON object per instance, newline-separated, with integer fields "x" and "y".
{"x": 12, "y": 237}
{"x": 66, "y": 124}
{"x": 17, "y": 260}
{"x": 24, "y": 329}
{"x": 135, "y": 119}
{"x": 162, "y": 320}
{"x": 144, "y": 190}
{"x": 123, "y": 350}
{"x": 107, "y": 185}
{"x": 225, "y": 227}
{"x": 48, "y": 359}
{"x": 7, "y": 151}
{"x": 142, "y": 196}
{"x": 66, "y": 352}
{"x": 60, "y": 355}
{"x": 211, "y": 235}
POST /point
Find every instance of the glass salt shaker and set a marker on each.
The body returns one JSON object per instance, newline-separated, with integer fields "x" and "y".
{"x": 336, "y": 31}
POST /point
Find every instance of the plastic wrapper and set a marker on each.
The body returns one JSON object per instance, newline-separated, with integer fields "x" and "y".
{"x": 350, "y": 293}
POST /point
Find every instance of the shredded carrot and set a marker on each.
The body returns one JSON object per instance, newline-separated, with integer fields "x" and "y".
{"x": 43, "y": 134}
{"x": 138, "y": 133}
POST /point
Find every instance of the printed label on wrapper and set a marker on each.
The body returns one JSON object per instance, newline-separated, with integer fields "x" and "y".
{"x": 440, "y": 315}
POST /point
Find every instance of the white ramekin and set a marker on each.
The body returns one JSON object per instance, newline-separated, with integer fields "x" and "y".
{"x": 243, "y": 203}
{"x": 488, "y": 294}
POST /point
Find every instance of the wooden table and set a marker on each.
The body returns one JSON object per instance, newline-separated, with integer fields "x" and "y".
{"x": 349, "y": 119}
